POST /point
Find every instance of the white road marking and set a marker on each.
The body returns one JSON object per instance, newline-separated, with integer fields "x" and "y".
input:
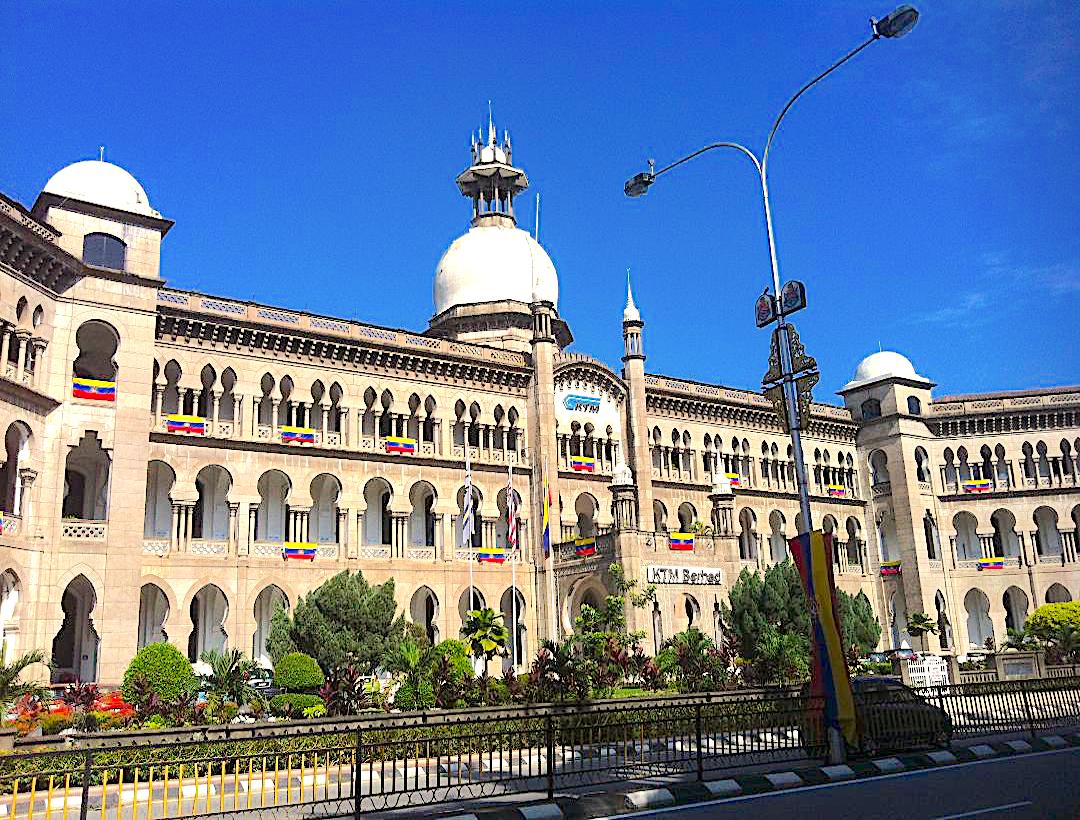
{"x": 789, "y": 792}
{"x": 989, "y": 810}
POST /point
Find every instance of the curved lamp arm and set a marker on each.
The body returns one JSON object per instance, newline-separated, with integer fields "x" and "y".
{"x": 738, "y": 147}
{"x": 803, "y": 90}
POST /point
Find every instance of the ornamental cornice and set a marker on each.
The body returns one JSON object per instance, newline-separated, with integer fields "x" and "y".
{"x": 580, "y": 369}
{"x": 332, "y": 352}
{"x": 25, "y": 254}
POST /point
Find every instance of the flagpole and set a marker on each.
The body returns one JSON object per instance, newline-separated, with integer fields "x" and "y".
{"x": 511, "y": 509}
{"x": 466, "y": 521}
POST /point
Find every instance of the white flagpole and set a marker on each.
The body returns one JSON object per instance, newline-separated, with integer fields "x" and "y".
{"x": 511, "y": 517}
{"x": 467, "y": 503}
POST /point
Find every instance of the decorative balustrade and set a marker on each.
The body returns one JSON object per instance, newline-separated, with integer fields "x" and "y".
{"x": 327, "y": 551}
{"x": 420, "y": 553}
{"x": 376, "y": 551}
{"x": 156, "y": 546}
{"x": 266, "y": 549}
{"x": 79, "y": 530}
{"x": 881, "y": 489}
{"x": 204, "y": 546}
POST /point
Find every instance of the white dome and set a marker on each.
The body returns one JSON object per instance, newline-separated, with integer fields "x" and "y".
{"x": 101, "y": 183}
{"x": 492, "y": 263}
{"x": 885, "y": 364}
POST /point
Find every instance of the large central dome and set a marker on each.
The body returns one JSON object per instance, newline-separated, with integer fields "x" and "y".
{"x": 494, "y": 263}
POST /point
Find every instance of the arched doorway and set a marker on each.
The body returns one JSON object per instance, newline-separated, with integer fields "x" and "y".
{"x": 512, "y": 606}
{"x": 75, "y": 647}
{"x": 979, "y": 626}
{"x": 153, "y": 613}
{"x": 1057, "y": 594}
{"x": 424, "y": 610}
{"x": 692, "y": 610}
{"x": 422, "y": 516}
{"x": 209, "y": 608}
{"x": 10, "y": 593}
{"x": 377, "y": 524}
{"x": 1015, "y": 601}
{"x": 267, "y": 603}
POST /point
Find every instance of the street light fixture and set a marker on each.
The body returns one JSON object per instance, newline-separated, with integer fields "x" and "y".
{"x": 896, "y": 24}
{"x": 792, "y": 373}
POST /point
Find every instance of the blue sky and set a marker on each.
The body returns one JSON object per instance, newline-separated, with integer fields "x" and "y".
{"x": 926, "y": 192}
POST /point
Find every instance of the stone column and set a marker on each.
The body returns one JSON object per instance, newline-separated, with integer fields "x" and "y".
{"x": 5, "y": 343}
{"x": 399, "y": 528}
{"x": 235, "y": 545}
{"x": 27, "y": 476}
{"x": 253, "y": 511}
{"x": 342, "y": 529}
{"x": 625, "y": 497}
{"x": 39, "y": 345}
{"x": 21, "y": 338}
{"x": 174, "y": 532}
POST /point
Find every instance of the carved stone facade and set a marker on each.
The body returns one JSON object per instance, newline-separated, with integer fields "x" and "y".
{"x": 163, "y": 446}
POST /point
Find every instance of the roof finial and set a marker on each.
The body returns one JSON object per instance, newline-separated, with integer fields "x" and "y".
{"x": 101, "y": 153}
{"x": 630, "y": 312}
{"x": 492, "y": 137}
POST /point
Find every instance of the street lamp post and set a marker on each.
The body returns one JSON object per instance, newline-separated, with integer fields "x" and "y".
{"x": 789, "y": 380}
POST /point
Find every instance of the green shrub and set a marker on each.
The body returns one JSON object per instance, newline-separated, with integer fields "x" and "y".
{"x": 293, "y": 704}
{"x": 460, "y": 661}
{"x": 168, "y": 674}
{"x": 1049, "y": 619}
{"x": 54, "y": 724}
{"x": 297, "y": 672}
{"x": 408, "y": 699}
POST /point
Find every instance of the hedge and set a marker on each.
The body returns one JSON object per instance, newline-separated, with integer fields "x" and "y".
{"x": 166, "y": 670}
{"x": 297, "y": 672}
{"x": 1049, "y": 619}
{"x": 293, "y": 704}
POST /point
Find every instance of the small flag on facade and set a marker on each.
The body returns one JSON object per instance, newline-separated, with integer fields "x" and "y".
{"x": 93, "y": 389}
{"x": 995, "y": 562}
{"x": 890, "y": 567}
{"x": 681, "y": 541}
{"x": 582, "y": 464}
{"x": 584, "y": 547}
{"x": 399, "y": 444}
{"x": 491, "y": 555}
{"x": 546, "y": 542}
{"x": 297, "y": 435}
{"x": 734, "y": 479}
{"x": 298, "y": 551}
{"x": 837, "y": 490}
{"x": 192, "y": 425}
{"x": 981, "y": 485}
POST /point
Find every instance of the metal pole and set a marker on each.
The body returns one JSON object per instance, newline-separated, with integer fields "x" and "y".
{"x": 791, "y": 395}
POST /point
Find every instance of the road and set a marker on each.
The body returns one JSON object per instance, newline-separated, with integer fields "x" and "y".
{"x": 1044, "y": 785}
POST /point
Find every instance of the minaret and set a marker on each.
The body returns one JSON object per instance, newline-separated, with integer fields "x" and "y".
{"x": 637, "y": 423}
{"x": 492, "y": 181}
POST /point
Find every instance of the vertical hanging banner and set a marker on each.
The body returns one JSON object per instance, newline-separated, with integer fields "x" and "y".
{"x": 829, "y": 676}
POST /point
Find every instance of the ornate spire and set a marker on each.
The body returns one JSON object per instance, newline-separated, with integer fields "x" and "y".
{"x": 630, "y": 312}
{"x": 492, "y": 181}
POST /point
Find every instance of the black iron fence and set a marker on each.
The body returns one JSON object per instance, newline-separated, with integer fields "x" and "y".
{"x": 377, "y": 762}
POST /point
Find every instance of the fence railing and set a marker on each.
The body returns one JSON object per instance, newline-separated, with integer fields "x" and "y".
{"x": 333, "y": 767}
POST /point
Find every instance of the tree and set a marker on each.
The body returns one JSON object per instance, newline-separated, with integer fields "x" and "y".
{"x": 344, "y": 620}
{"x": 11, "y": 688}
{"x": 485, "y": 634}
{"x": 858, "y": 624}
{"x": 406, "y": 659}
{"x": 692, "y": 660}
{"x": 1063, "y": 645}
{"x": 920, "y": 623}
{"x": 1019, "y": 640}
{"x": 782, "y": 657}
{"x": 1048, "y": 619}
{"x": 759, "y": 605}
{"x": 229, "y": 679}
{"x": 160, "y": 672}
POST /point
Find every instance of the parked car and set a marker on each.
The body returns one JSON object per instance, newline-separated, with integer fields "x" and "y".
{"x": 894, "y": 717}
{"x": 902, "y": 654}
{"x": 891, "y": 717}
{"x": 262, "y": 681}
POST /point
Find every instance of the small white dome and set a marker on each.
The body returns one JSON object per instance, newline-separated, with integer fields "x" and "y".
{"x": 492, "y": 263}
{"x": 885, "y": 364}
{"x": 101, "y": 183}
{"x": 622, "y": 474}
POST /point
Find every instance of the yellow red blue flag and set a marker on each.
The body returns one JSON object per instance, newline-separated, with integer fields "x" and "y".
{"x": 829, "y": 678}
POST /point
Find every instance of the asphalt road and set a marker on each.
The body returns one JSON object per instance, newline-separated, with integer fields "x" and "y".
{"x": 1043, "y": 785}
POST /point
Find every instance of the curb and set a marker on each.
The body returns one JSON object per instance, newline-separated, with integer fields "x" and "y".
{"x": 624, "y": 802}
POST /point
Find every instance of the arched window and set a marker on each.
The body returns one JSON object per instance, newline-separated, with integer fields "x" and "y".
{"x": 871, "y": 409}
{"x": 914, "y": 406}
{"x": 103, "y": 251}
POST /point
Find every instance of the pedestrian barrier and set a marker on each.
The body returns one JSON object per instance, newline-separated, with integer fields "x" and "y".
{"x": 334, "y": 767}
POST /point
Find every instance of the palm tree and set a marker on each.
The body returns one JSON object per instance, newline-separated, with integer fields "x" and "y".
{"x": 485, "y": 634}
{"x": 11, "y": 688}
{"x": 406, "y": 658}
{"x": 1065, "y": 644}
{"x": 1018, "y": 639}
{"x": 229, "y": 678}
{"x": 920, "y": 623}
